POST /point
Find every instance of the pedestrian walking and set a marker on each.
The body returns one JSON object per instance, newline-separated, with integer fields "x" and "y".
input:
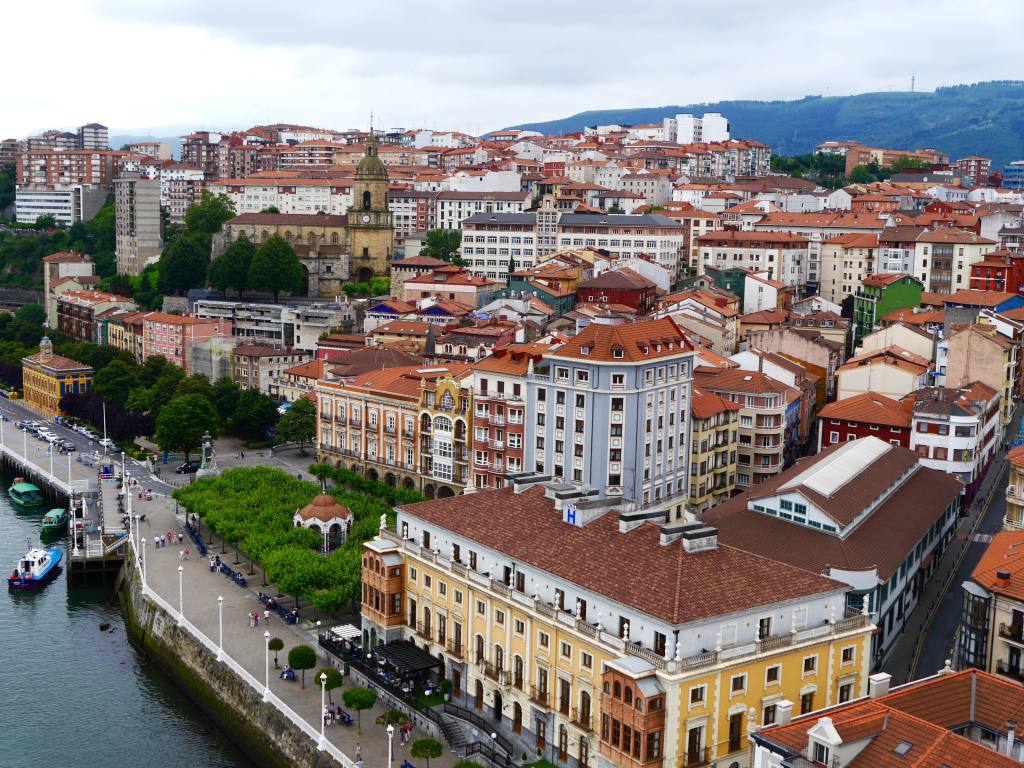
{"x": 181, "y": 555}
{"x": 250, "y": 621}
{"x": 256, "y": 617}
{"x": 266, "y": 616}
{"x": 359, "y": 752}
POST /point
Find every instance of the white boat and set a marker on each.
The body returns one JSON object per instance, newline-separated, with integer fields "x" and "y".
{"x": 35, "y": 568}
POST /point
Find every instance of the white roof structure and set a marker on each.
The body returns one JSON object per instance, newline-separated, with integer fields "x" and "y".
{"x": 840, "y": 467}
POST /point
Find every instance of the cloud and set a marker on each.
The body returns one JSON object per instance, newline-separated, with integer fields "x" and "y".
{"x": 477, "y": 66}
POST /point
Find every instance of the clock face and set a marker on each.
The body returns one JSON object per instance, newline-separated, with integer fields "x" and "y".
{"x": 366, "y": 218}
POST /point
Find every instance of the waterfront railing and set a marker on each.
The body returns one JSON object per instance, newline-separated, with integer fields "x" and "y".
{"x": 268, "y": 696}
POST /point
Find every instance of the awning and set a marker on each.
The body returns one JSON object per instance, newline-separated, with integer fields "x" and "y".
{"x": 407, "y": 658}
{"x": 345, "y": 632}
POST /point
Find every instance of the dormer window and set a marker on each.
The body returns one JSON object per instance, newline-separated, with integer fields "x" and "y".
{"x": 618, "y": 353}
{"x": 585, "y": 350}
{"x": 821, "y": 753}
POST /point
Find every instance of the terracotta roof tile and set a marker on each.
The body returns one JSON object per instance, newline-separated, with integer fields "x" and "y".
{"x": 630, "y": 342}
{"x": 869, "y": 408}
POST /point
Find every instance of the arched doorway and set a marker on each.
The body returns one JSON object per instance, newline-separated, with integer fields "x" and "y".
{"x": 372, "y": 474}
{"x": 428, "y": 491}
{"x": 499, "y": 705}
{"x": 456, "y": 683}
{"x": 364, "y": 275}
{"x": 517, "y": 672}
{"x": 517, "y": 717}
{"x": 390, "y": 479}
{"x": 478, "y": 699}
{"x": 304, "y": 287}
{"x": 444, "y": 492}
{"x": 408, "y": 483}
{"x": 479, "y": 648}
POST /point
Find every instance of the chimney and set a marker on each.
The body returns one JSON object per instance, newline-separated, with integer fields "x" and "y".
{"x": 1011, "y": 737}
{"x": 878, "y": 685}
{"x": 783, "y": 712}
{"x": 699, "y": 539}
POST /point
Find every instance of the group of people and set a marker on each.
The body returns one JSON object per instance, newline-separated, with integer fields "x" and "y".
{"x": 254, "y": 619}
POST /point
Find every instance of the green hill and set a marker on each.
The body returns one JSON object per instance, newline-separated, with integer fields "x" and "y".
{"x": 983, "y": 118}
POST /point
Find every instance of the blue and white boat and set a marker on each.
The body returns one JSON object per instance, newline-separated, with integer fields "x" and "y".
{"x": 35, "y": 568}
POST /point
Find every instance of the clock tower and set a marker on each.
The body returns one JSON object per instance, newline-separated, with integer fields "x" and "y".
{"x": 371, "y": 236}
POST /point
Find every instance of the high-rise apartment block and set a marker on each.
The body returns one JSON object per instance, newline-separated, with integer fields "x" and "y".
{"x": 138, "y": 226}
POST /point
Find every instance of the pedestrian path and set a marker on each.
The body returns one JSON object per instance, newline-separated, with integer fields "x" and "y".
{"x": 244, "y": 642}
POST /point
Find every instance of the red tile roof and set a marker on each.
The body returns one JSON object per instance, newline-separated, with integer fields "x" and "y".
{"x": 631, "y": 567}
{"x": 630, "y": 342}
{"x": 1005, "y": 555}
{"x": 869, "y": 408}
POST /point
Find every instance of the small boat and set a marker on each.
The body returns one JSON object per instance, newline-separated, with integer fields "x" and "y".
{"x": 35, "y": 568}
{"x": 55, "y": 521}
{"x": 25, "y": 494}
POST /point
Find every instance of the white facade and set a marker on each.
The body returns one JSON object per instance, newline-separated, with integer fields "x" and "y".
{"x": 67, "y": 203}
{"x": 687, "y": 129}
{"x": 759, "y": 294}
{"x": 287, "y": 196}
{"x": 489, "y": 181}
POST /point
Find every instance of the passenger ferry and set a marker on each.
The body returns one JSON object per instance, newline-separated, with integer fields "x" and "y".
{"x": 25, "y": 494}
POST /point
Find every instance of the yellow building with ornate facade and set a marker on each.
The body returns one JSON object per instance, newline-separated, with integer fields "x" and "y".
{"x": 591, "y": 639}
{"x": 47, "y": 377}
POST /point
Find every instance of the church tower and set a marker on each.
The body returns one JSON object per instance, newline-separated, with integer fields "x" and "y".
{"x": 371, "y": 236}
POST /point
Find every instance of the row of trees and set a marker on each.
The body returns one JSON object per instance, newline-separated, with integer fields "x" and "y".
{"x": 271, "y": 268}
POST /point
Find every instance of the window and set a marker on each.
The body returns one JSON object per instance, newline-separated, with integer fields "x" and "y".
{"x": 412, "y": 574}
{"x": 458, "y": 597}
{"x": 845, "y": 692}
{"x": 520, "y": 627}
{"x": 481, "y": 607}
{"x": 427, "y": 581}
{"x": 586, "y": 660}
{"x": 738, "y": 683}
{"x": 442, "y": 588}
{"x": 848, "y": 655}
{"x": 566, "y": 650}
{"x": 764, "y": 627}
{"x": 697, "y": 694}
{"x": 499, "y": 617}
{"x": 807, "y": 703}
{"x": 810, "y": 664}
{"x": 768, "y": 718}
{"x": 820, "y": 753}
{"x": 773, "y": 674}
{"x": 543, "y": 639}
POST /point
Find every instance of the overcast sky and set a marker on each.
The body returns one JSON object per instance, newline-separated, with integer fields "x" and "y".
{"x": 471, "y": 65}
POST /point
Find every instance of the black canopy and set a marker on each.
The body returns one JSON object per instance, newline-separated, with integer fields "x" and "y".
{"x": 407, "y": 657}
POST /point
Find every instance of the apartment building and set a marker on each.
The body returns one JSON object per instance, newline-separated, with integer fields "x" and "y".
{"x": 627, "y": 235}
{"x": 57, "y": 267}
{"x": 450, "y": 283}
{"x": 493, "y": 245}
{"x": 783, "y": 256}
{"x": 67, "y": 167}
{"x": 957, "y": 431}
{"x": 714, "y": 441}
{"x": 864, "y": 415}
{"x": 991, "y": 624}
{"x": 611, "y": 412}
{"x": 981, "y": 353}
{"x": 881, "y": 294}
{"x": 445, "y": 432}
{"x": 138, "y": 229}
{"x": 845, "y": 261}
{"x": 78, "y": 312}
{"x": 1014, "y": 520}
{"x": 277, "y": 325}
{"x": 866, "y": 513}
{"x": 500, "y": 412}
{"x": 257, "y": 367}
{"x": 172, "y": 335}
{"x": 767, "y": 413}
{"x": 451, "y": 208}
{"x": 180, "y": 186}
{"x": 947, "y": 719}
{"x": 556, "y": 618}
{"x": 945, "y": 256}
{"x": 92, "y": 136}
{"x": 892, "y": 371}
{"x": 68, "y": 204}
{"x": 289, "y": 195}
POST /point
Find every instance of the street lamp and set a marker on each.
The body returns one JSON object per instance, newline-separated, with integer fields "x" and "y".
{"x": 181, "y": 594}
{"x": 143, "y": 557}
{"x": 266, "y": 673}
{"x": 24, "y": 444}
{"x": 323, "y": 706}
{"x": 391, "y": 735}
{"x": 220, "y": 626}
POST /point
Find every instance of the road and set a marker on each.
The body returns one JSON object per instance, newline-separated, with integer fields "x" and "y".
{"x": 938, "y": 643}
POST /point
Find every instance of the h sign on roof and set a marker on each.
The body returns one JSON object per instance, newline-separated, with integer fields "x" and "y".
{"x": 569, "y": 514}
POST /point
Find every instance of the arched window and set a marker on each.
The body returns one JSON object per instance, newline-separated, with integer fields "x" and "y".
{"x": 311, "y": 238}
{"x": 617, "y": 690}
{"x": 584, "y": 707}
{"x": 442, "y": 424}
{"x": 584, "y": 752}
{"x": 367, "y": 199}
{"x": 447, "y": 401}
{"x": 563, "y": 742}
{"x": 628, "y": 695}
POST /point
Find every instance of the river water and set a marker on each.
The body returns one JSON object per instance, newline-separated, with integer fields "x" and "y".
{"x": 73, "y": 694}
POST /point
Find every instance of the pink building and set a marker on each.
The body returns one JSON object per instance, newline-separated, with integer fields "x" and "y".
{"x": 171, "y": 335}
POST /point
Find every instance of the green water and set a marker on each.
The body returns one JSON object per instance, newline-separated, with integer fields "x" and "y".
{"x": 72, "y": 694}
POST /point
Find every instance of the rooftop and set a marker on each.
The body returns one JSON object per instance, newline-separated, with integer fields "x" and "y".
{"x": 629, "y": 343}
{"x": 870, "y": 408}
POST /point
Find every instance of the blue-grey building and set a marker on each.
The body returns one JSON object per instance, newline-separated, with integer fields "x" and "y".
{"x": 1013, "y": 175}
{"x": 609, "y": 411}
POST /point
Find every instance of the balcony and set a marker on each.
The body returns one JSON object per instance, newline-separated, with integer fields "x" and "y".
{"x": 697, "y": 757}
{"x": 582, "y": 720}
{"x": 540, "y": 697}
{"x": 455, "y": 649}
{"x": 496, "y": 673}
{"x": 1011, "y": 632}
{"x": 1015, "y": 673}
{"x": 340, "y": 419}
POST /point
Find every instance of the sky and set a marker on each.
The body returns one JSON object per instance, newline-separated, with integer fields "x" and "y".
{"x": 470, "y": 65}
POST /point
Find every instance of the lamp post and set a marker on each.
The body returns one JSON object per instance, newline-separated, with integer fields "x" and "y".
{"x": 24, "y": 445}
{"x": 391, "y": 735}
{"x": 51, "y": 461}
{"x": 69, "y": 472}
{"x": 323, "y": 720}
{"x": 266, "y": 672}
{"x": 143, "y": 557}
{"x": 220, "y": 627}
{"x": 181, "y": 594}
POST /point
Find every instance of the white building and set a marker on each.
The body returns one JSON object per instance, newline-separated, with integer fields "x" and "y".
{"x": 687, "y": 129}
{"x": 298, "y": 195}
{"x": 452, "y": 208}
{"x": 67, "y": 203}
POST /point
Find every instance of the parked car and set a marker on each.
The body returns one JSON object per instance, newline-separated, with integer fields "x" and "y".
{"x": 188, "y": 467}
{"x": 106, "y": 442}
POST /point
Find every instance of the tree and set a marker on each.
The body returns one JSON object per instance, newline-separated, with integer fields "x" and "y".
{"x": 31, "y": 313}
{"x": 392, "y": 717}
{"x": 359, "y": 698}
{"x": 860, "y": 175}
{"x": 183, "y": 264}
{"x": 276, "y": 268}
{"x": 334, "y": 680}
{"x": 276, "y": 644}
{"x": 182, "y": 423}
{"x": 298, "y": 424}
{"x": 196, "y": 384}
{"x": 443, "y": 244}
{"x": 225, "y": 397}
{"x": 255, "y": 414}
{"x": 205, "y": 217}
{"x": 116, "y": 381}
{"x": 426, "y": 749}
{"x": 302, "y": 657}
{"x": 45, "y": 221}
{"x": 230, "y": 269}
{"x": 270, "y": 209}
{"x": 154, "y": 366}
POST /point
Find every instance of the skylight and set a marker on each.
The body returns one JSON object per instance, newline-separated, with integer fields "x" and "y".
{"x": 903, "y": 748}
